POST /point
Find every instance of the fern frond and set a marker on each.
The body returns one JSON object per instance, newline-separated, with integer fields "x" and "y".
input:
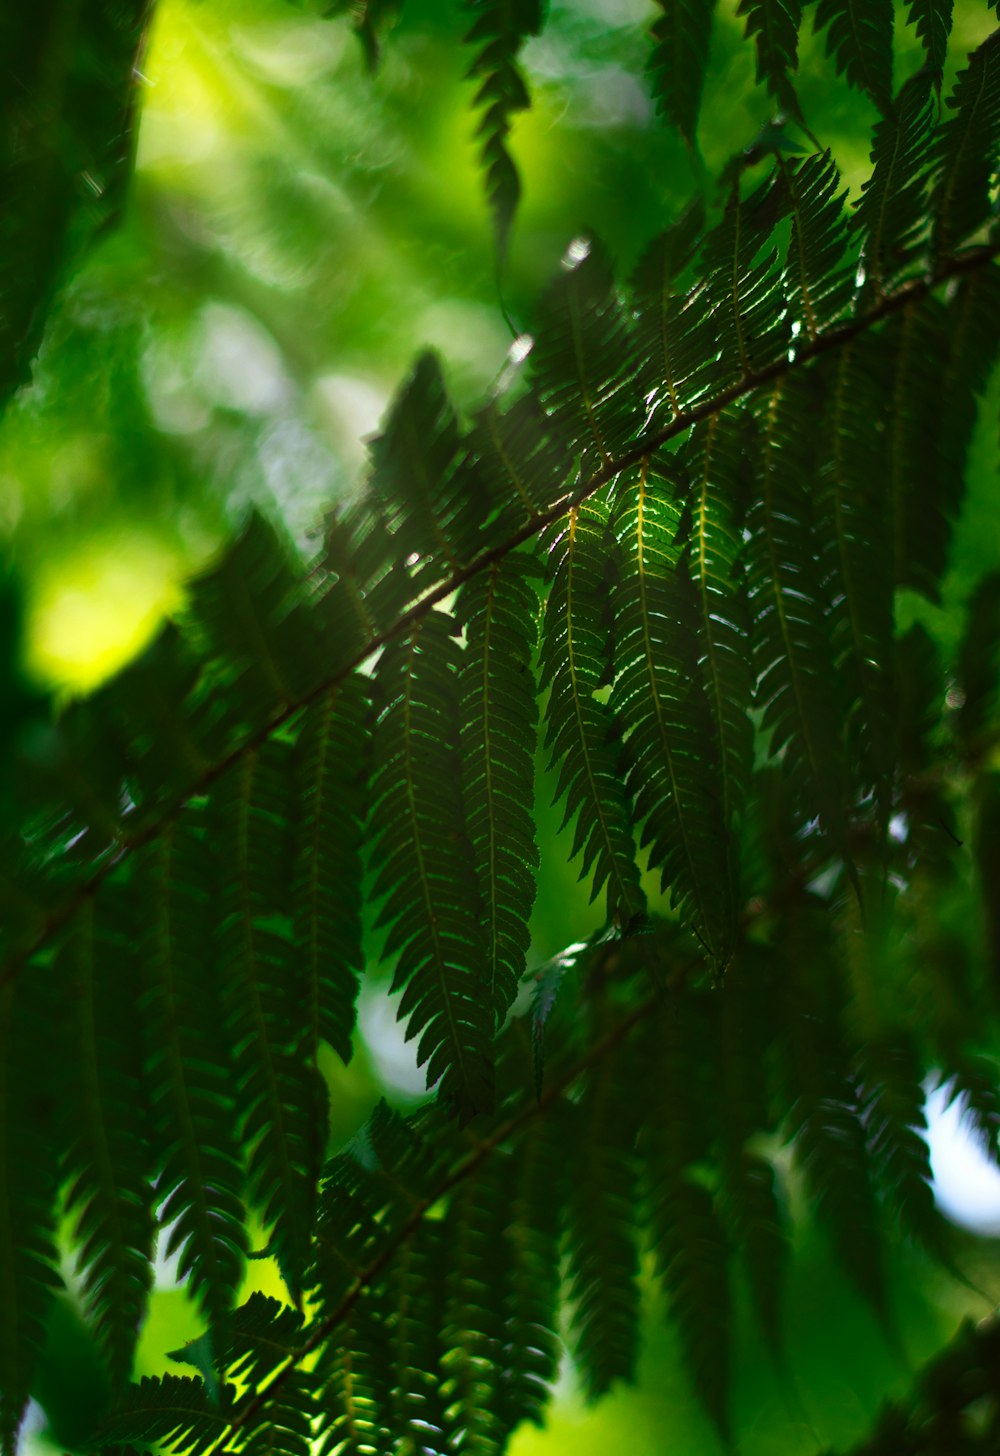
{"x": 859, "y": 40}
{"x": 427, "y": 509}
{"x": 825, "y": 1116}
{"x": 473, "y": 1331}
{"x": 893, "y": 1101}
{"x": 582, "y": 361}
{"x": 602, "y": 1261}
{"x": 855, "y": 568}
{"x": 579, "y": 728}
{"x": 693, "y": 1257}
{"x": 514, "y": 460}
{"x": 965, "y": 157}
{"x": 355, "y": 1386}
{"x": 498, "y": 610}
{"x": 791, "y": 647}
{"x": 331, "y": 770}
{"x": 743, "y": 283}
{"x": 415, "y": 1285}
{"x": 28, "y": 1256}
{"x": 108, "y": 1156}
{"x": 281, "y": 1097}
{"x": 499, "y": 29}
{"x": 715, "y": 458}
{"x": 818, "y": 279}
{"x": 932, "y": 19}
{"x": 170, "y": 1411}
{"x": 423, "y": 866}
{"x": 250, "y": 614}
{"x": 681, "y": 35}
{"x": 673, "y": 767}
{"x": 201, "y": 1176}
{"x": 891, "y": 213}
{"x": 773, "y": 25}
{"x": 668, "y": 349}
{"x": 536, "y": 1192}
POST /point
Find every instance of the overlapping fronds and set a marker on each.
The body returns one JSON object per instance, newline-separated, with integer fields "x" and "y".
{"x": 692, "y": 515}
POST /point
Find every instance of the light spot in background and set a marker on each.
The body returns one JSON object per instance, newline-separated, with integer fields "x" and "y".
{"x": 92, "y": 610}
{"x": 578, "y": 249}
{"x": 352, "y": 408}
{"x": 239, "y": 366}
{"x": 395, "y": 1058}
{"x": 966, "y": 1182}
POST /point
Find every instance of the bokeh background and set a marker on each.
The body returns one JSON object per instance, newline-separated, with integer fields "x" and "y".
{"x": 295, "y": 231}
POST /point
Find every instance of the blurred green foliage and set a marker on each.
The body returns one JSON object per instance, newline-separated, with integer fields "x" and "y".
{"x": 295, "y": 230}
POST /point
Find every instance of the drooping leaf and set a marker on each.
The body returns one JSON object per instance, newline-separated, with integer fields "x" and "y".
{"x": 681, "y": 36}
{"x": 424, "y": 866}
{"x": 859, "y": 39}
{"x": 932, "y": 19}
{"x": 498, "y": 31}
{"x": 331, "y": 765}
{"x": 498, "y": 610}
{"x": 579, "y": 728}
{"x": 890, "y": 211}
{"x": 773, "y": 25}
{"x": 966, "y": 151}
{"x": 673, "y": 763}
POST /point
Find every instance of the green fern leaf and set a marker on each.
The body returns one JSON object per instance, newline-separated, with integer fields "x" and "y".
{"x": 201, "y": 1178}
{"x": 28, "y": 1255}
{"x": 515, "y": 462}
{"x": 580, "y": 727}
{"x": 251, "y": 617}
{"x": 108, "y": 1156}
{"x": 774, "y": 27}
{"x": 171, "y": 1411}
{"x": 473, "y": 1332}
{"x": 499, "y": 29}
{"x": 893, "y": 1101}
{"x": 859, "y": 39}
{"x": 973, "y": 1080}
{"x": 966, "y": 152}
{"x": 331, "y": 755}
{"x": 791, "y": 647}
{"x": 715, "y": 461}
{"x": 743, "y": 1049}
{"x": 743, "y": 285}
{"x": 416, "y": 1284}
{"x": 367, "y": 586}
{"x": 693, "y": 1263}
{"x": 855, "y": 568}
{"x": 825, "y": 1116}
{"x": 891, "y": 214}
{"x": 602, "y": 1261}
{"x": 582, "y": 360}
{"x": 932, "y": 19}
{"x": 428, "y": 511}
{"x": 354, "y": 1394}
{"x": 281, "y": 1096}
{"x": 681, "y": 36}
{"x": 670, "y": 352}
{"x": 531, "y": 1346}
{"x": 819, "y": 282}
{"x": 673, "y": 773}
{"x": 942, "y": 357}
{"x": 498, "y": 609}
{"x": 423, "y": 866}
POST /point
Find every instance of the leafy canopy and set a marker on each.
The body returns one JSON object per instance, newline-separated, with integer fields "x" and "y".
{"x": 689, "y": 552}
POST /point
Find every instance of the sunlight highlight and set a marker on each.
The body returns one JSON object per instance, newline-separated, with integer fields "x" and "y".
{"x": 92, "y": 611}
